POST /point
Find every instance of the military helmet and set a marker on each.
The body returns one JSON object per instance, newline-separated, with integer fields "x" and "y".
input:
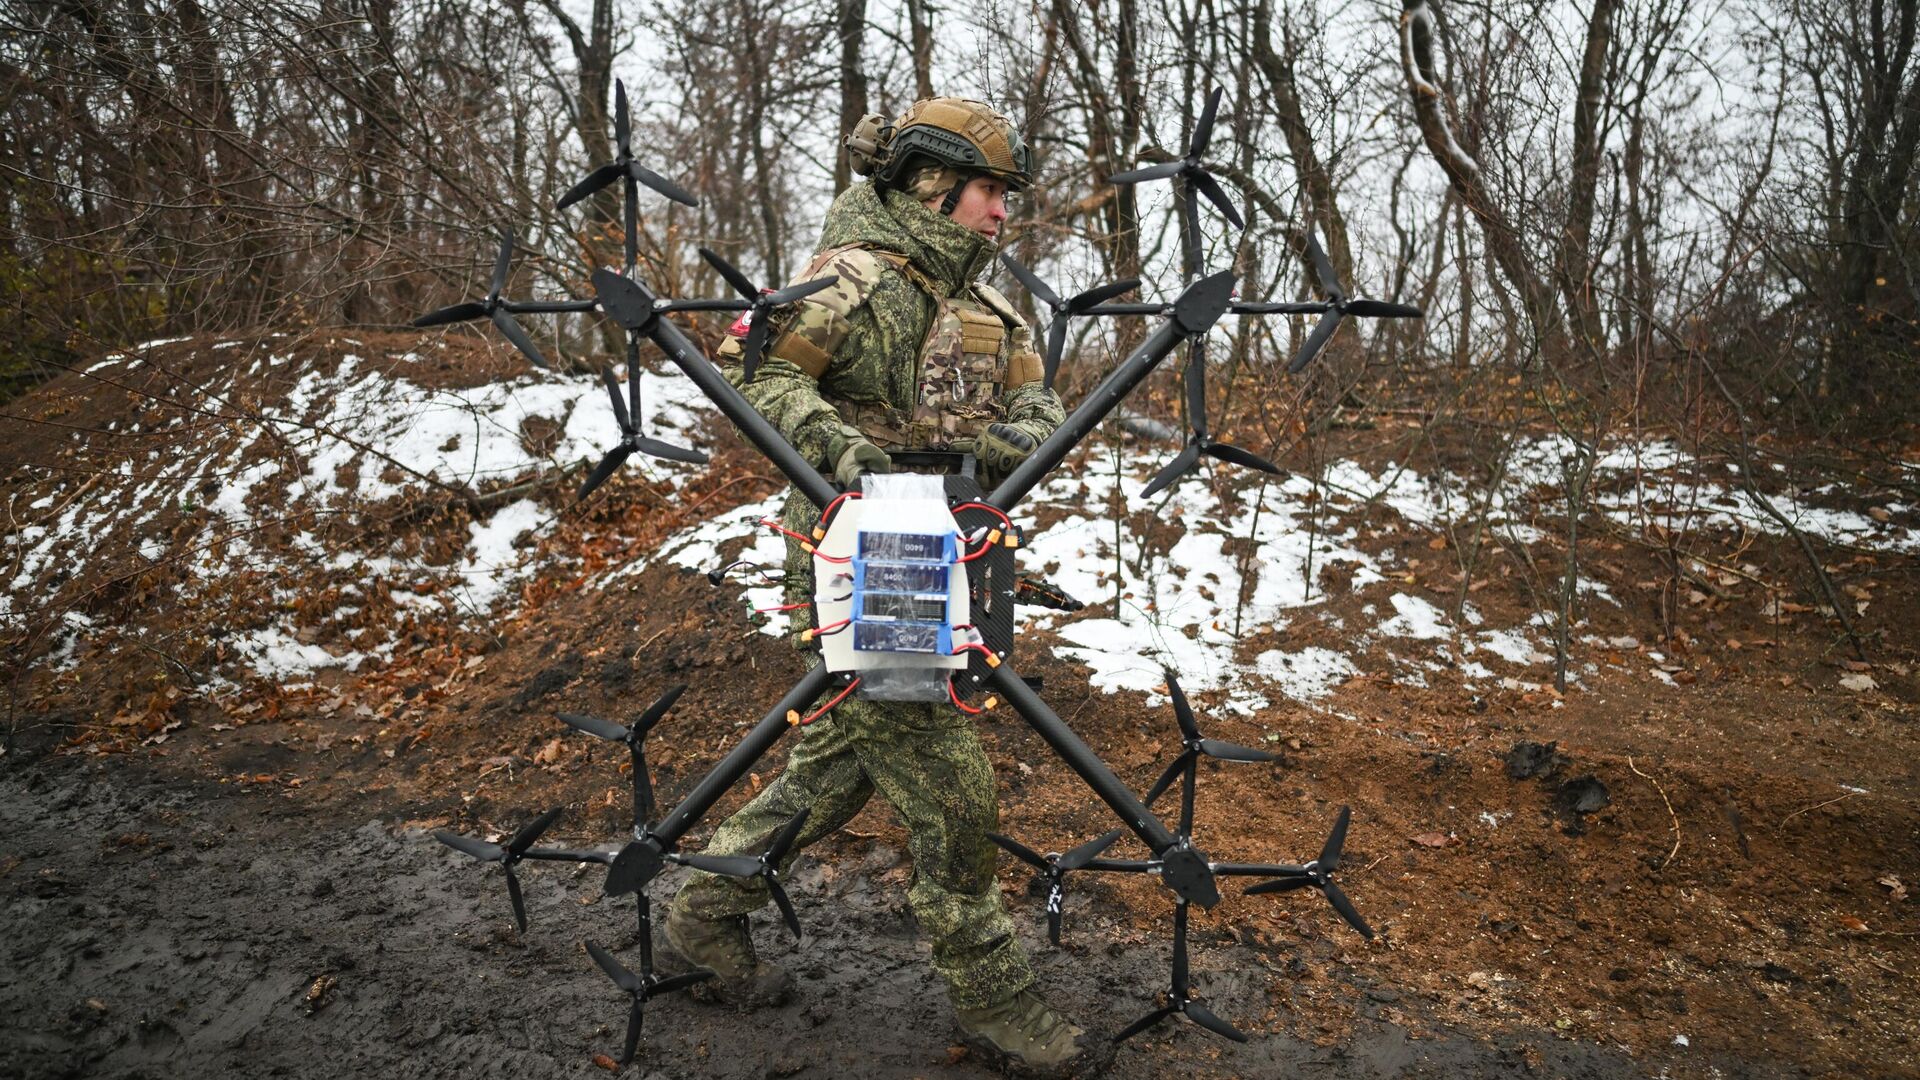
{"x": 967, "y": 135}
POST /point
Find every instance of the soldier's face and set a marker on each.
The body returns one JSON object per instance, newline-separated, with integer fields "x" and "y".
{"x": 982, "y": 206}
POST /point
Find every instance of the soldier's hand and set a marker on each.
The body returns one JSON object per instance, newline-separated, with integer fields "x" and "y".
{"x": 1003, "y": 447}
{"x": 860, "y": 456}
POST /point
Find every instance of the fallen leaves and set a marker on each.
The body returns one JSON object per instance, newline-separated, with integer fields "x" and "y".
{"x": 1896, "y": 890}
{"x": 606, "y": 1063}
{"x": 1435, "y": 839}
{"x": 1858, "y": 683}
{"x": 319, "y": 994}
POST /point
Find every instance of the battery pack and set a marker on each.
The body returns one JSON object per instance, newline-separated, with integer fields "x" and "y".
{"x": 902, "y": 583}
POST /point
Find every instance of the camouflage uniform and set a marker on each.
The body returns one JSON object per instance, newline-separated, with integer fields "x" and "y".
{"x": 907, "y": 352}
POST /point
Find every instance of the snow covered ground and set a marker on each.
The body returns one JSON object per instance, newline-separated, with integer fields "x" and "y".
{"x": 361, "y": 433}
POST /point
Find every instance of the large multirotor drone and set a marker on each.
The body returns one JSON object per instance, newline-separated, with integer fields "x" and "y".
{"x": 934, "y": 599}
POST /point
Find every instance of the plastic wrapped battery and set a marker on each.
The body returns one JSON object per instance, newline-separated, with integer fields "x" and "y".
{"x": 903, "y": 573}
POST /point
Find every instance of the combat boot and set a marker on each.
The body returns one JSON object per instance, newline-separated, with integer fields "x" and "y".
{"x": 725, "y": 947}
{"x": 1027, "y": 1038}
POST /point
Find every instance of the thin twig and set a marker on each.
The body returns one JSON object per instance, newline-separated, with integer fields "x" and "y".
{"x": 1668, "y": 861}
{"x": 1816, "y": 806}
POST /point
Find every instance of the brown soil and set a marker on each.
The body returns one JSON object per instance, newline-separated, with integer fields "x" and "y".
{"x": 185, "y": 879}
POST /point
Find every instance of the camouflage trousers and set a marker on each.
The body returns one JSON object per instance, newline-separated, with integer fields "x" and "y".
{"x": 927, "y": 762}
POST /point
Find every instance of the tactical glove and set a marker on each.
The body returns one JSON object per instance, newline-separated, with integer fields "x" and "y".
{"x": 860, "y": 456}
{"x": 1003, "y": 447}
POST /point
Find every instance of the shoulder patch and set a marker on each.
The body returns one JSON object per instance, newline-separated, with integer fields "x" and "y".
{"x": 1000, "y": 306}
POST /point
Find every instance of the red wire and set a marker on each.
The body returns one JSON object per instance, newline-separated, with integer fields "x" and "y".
{"x": 957, "y": 703}
{"x": 827, "y": 514}
{"x": 994, "y": 510}
{"x": 985, "y": 546}
{"x": 818, "y": 554}
{"x": 832, "y": 627}
{"x": 783, "y": 607}
{"x": 824, "y": 709}
{"x": 777, "y": 527}
{"x": 981, "y": 649}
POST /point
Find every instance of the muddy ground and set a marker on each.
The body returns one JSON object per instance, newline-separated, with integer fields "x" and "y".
{"x": 199, "y": 882}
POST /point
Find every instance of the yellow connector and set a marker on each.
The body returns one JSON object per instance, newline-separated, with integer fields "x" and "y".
{"x": 1013, "y": 540}
{"x": 793, "y": 717}
{"x": 993, "y": 660}
{"x": 990, "y": 702}
{"x": 993, "y": 536}
{"x": 819, "y": 533}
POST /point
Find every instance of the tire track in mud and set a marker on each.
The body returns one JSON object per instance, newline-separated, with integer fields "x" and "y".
{"x": 161, "y": 926}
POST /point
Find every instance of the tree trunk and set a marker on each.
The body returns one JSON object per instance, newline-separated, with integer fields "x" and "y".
{"x": 1573, "y": 262}
{"x": 850, "y": 23}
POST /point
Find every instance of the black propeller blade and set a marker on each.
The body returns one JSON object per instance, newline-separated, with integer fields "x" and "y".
{"x": 1339, "y": 306}
{"x": 763, "y": 303}
{"x": 765, "y": 866}
{"x": 1194, "y": 746}
{"x": 1179, "y": 999}
{"x": 1190, "y": 169}
{"x": 640, "y": 988}
{"x": 1063, "y": 310}
{"x": 1055, "y": 867}
{"x": 634, "y": 738}
{"x": 493, "y": 307}
{"x": 506, "y": 855}
{"x": 630, "y": 437}
{"x": 1319, "y": 875}
{"x": 1199, "y": 441}
{"x": 623, "y": 167}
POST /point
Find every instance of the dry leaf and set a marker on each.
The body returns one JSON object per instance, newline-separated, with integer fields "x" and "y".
{"x": 1879, "y": 514}
{"x": 606, "y": 1063}
{"x": 1856, "y": 665}
{"x": 1853, "y": 924}
{"x": 1858, "y": 683}
{"x": 1894, "y": 886}
{"x": 1433, "y": 839}
{"x": 1438, "y": 543}
{"x": 547, "y": 754}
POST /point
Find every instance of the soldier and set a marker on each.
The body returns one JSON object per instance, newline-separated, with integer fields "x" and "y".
{"x": 907, "y": 352}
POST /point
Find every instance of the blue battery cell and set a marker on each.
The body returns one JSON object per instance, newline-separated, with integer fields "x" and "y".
{"x": 927, "y": 639}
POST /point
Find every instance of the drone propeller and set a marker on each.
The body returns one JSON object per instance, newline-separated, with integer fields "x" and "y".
{"x": 765, "y": 866}
{"x": 1340, "y": 306}
{"x": 1199, "y": 441}
{"x": 763, "y": 302}
{"x": 1063, "y": 310}
{"x": 1055, "y": 867}
{"x": 1195, "y": 746}
{"x": 634, "y": 737}
{"x": 623, "y": 167}
{"x": 506, "y": 855}
{"x": 493, "y": 307}
{"x": 630, "y": 437}
{"x": 1179, "y": 999}
{"x": 1189, "y": 168}
{"x": 641, "y": 988}
{"x": 1319, "y": 875}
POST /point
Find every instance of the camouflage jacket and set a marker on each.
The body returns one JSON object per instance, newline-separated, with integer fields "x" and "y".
{"x": 906, "y": 350}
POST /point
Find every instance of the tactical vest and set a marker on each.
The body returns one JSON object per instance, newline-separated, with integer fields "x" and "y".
{"x": 967, "y": 360}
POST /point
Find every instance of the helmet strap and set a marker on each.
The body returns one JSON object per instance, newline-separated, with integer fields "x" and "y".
{"x": 953, "y": 194}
